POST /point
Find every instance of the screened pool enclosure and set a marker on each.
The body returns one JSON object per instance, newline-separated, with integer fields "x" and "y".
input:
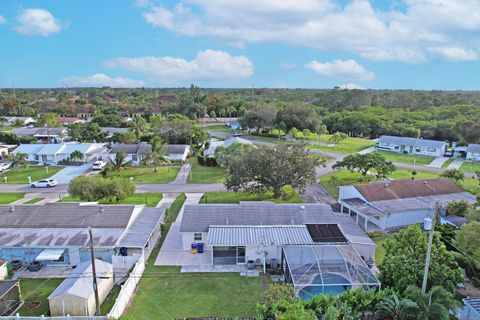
{"x": 323, "y": 269}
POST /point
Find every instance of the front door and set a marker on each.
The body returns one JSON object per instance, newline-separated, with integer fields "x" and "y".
{"x": 240, "y": 255}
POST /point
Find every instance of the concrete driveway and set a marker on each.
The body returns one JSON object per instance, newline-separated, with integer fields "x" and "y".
{"x": 71, "y": 172}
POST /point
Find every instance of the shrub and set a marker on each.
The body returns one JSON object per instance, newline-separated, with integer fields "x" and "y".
{"x": 375, "y": 234}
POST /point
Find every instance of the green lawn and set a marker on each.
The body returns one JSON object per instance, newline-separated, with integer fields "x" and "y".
{"x": 109, "y": 301}
{"x": 448, "y": 162}
{"x": 146, "y": 174}
{"x": 380, "y": 250}
{"x": 349, "y": 145}
{"x": 33, "y": 200}
{"x": 20, "y": 175}
{"x": 148, "y": 198}
{"x": 406, "y": 158}
{"x": 232, "y": 197}
{"x": 346, "y": 177}
{"x": 206, "y": 174}
{"x": 471, "y": 185}
{"x": 265, "y": 139}
{"x": 469, "y": 166}
{"x": 218, "y": 128}
{"x": 6, "y": 198}
{"x": 34, "y": 290}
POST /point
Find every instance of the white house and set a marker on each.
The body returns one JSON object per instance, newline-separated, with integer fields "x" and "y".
{"x": 473, "y": 152}
{"x": 415, "y": 146}
{"x": 137, "y": 153}
{"x": 210, "y": 152}
{"x": 10, "y": 121}
{"x": 398, "y": 203}
{"x": 236, "y": 233}
{"x": 57, "y": 152}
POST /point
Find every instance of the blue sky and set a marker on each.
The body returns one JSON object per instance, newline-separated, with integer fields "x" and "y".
{"x": 418, "y": 44}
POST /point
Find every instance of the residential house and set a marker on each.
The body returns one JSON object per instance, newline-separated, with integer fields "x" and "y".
{"x": 473, "y": 152}
{"x": 75, "y": 295}
{"x": 398, "y": 203}
{"x": 70, "y": 120}
{"x": 472, "y": 309}
{"x": 110, "y": 131}
{"x": 210, "y": 151}
{"x": 413, "y": 146}
{"x": 57, "y": 234}
{"x": 42, "y": 135}
{"x": 11, "y": 121}
{"x": 137, "y": 153}
{"x": 57, "y": 152}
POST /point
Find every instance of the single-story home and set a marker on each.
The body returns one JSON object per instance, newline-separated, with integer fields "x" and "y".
{"x": 473, "y": 152}
{"x": 70, "y": 120}
{"x": 110, "y": 131}
{"x": 398, "y": 203}
{"x": 415, "y": 146}
{"x": 10, "y": 297}
{"x": 10, "y": 121}
{"x": 75, "y": 295}
{"x": 210, "y": 151}
{"x": 137, "y": 153}
{"x": 52, "y": 135}
{"x": 56, "y": 152}
{"x": 56, "y": 234}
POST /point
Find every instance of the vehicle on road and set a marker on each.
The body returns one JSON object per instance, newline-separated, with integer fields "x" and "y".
{"x": 45, "y": 183}
{"x": 99, "y": 165}
{"x": 237, "y": 134}
{"x": 5, "y": 166}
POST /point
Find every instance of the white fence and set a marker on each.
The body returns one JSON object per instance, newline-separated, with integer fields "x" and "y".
{"x": 128, "y": 289}
{"x": 124, "y": 263}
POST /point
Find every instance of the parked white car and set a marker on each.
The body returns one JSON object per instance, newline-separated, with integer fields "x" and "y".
{"x": 46, "y": 183}
{"x": 99, "y": 165}
{"x": 5, "y": 166}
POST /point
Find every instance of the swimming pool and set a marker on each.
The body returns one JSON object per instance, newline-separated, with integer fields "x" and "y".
{"x": 332, "y": 283}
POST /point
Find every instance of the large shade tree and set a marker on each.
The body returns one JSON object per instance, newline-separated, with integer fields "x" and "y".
{"x": 369, "y": 163}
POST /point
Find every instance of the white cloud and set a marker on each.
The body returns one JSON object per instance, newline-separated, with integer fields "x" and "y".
{"x": 350, "y": 86}
{"x": 287, "y": 65}
{"x": 208, "y": 65}
{"x": 455, "y": 53}
{"x": 38, "y": 22}
{"x": 102, "y": 80}
{"x": 344, "y": 69}
{"x": 401, "y": 33}
{"x": 2, "y": 20}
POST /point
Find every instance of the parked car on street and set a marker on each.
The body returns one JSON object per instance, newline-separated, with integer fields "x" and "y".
{"x": 5, "y": 166}
{"x": 99, "y": 165}
{"x": 45, "y": 183}
{"x": 237, "y": 133}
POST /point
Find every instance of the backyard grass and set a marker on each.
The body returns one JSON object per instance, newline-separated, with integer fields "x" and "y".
{"x": 33, "y": 200}
{"x": 406, "y": 158}
{"x": 471, "y": 185}
{"x": 448, "y": 162}
{"x": 236, "y": 197}
{"x": 469, "y": 166}
{"x": 37, "y": 290}
{"x": 346, "y": 177}
{"x": 20, "y": 175}
{"x": 349, "y": 145}
{"x": 109, "y": 301}
{"x": 380, "y": 250}
{"x": 146, "y": 174}
{"x": 6, "y": 198}
{"x": 150, "y": 199}
{"x": 206, "y": 174}
{"x": 218, "y": 128}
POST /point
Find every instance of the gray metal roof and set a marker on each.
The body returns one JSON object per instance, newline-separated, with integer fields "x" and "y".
{"x": 80, "y": 281}
{"x": 473, "y": 303}
{"x": 6, "y": 286}
{"x": 198, "y": 218}
{"x": 137, "y": 148}
{"x": 38, "y": 131}
{"x": 358, "y": 204}
{"x": 473, "y": 147}
{"x": 176, "y": 148}
{"x": 65, "y": 215}
{"x": 456, "y": 220}
{"x": 414, "y": 142}
{"x": 140, "y": 230}
{"x": 112, "y": 130}
{"x": 258, "y": 235}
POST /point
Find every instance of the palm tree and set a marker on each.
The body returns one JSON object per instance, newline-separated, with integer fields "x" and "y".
{"x": 395, "y": 308}
{"x": 158, "y": 154}
{"x": 138, "y": 126}
{"x": 18, "y": 160}
{"x": 76, "y": 155}
{"x": 337, "y": 137}
{"x": 117, "y": 164}
{"x": 436, "y": 304}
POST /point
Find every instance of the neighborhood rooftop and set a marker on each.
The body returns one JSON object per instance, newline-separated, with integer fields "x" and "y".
{"x": 58, "y": 148}
{"x": 414, "y": 142}
{"x": 473, "y": 147}
{"x": 32, "y": 132}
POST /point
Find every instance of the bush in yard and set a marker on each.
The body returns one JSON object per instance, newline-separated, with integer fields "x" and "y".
{"x": 453, "y": 174}
{"x": 458, "y": 208}
{"x": 95, "y": 189}
{"x": 275, "y": 294}
{"x": 375, "y": 234}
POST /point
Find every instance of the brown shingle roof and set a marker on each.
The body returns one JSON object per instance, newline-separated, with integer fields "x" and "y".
{"x": 400, "y": 189}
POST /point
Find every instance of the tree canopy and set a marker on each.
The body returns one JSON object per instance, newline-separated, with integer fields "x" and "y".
{"x": 369, "y": 163}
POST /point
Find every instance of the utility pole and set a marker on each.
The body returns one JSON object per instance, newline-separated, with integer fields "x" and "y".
{"x": 429, "y": 249}
{"x": 94, "y": 272}
{"x": 13, "y": 89}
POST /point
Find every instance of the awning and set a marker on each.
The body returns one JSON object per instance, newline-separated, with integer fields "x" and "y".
{"x": 50, "y": 254}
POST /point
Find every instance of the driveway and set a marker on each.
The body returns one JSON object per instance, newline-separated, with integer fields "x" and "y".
{"x": 183, "y": 173}
{"x": 69, "y": 173}
{"x": 438, "y": 162}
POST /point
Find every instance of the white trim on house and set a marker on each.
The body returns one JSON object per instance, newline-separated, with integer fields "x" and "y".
{"x": 414, "y": 146}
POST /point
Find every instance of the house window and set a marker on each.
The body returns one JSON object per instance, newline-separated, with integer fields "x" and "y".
{"x": 397, "y": 147}
{"x": 418, "y": 150}
{"x": 134, "y": 157}
{"x": 197, "y": 236}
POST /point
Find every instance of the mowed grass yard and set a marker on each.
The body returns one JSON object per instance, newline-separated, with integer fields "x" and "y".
{"x": 406, "y": 158}
{"x": 349, "y": 145}
{"x": 218, "y": 128}
{"x": 147, "y": 175}
{"x": 470, "y": 166}
{"x": 20, "y": 175}
{"x": 380, "y": 250}
{"x": 206, "y": 174}
{"x": 346, "y": 177}
{"x": 34, "y": 290}
{"x": 236, "y": 197}
{"x": 6, "y": 198}
{"x": 150, "y": 199}
{"x": 165, "y": 293}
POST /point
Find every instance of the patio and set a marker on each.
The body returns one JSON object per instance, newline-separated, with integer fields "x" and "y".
{"x": 46, "y": 272}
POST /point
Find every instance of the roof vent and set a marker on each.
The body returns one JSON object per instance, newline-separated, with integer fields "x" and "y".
{"x": 101, "y": 209}
{"x": 302, "y": 207}
{"x": 12, "y": 208}
{"x": 425, "y": 182}
{"x": 292, "y": 221}
{"x": 226, "y": 221}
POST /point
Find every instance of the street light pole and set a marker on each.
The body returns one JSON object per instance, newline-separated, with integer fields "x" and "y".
{"x": 429, "y": 250}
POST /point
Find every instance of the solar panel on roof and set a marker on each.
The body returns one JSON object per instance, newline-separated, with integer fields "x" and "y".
{"x": 326, "y": 233}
